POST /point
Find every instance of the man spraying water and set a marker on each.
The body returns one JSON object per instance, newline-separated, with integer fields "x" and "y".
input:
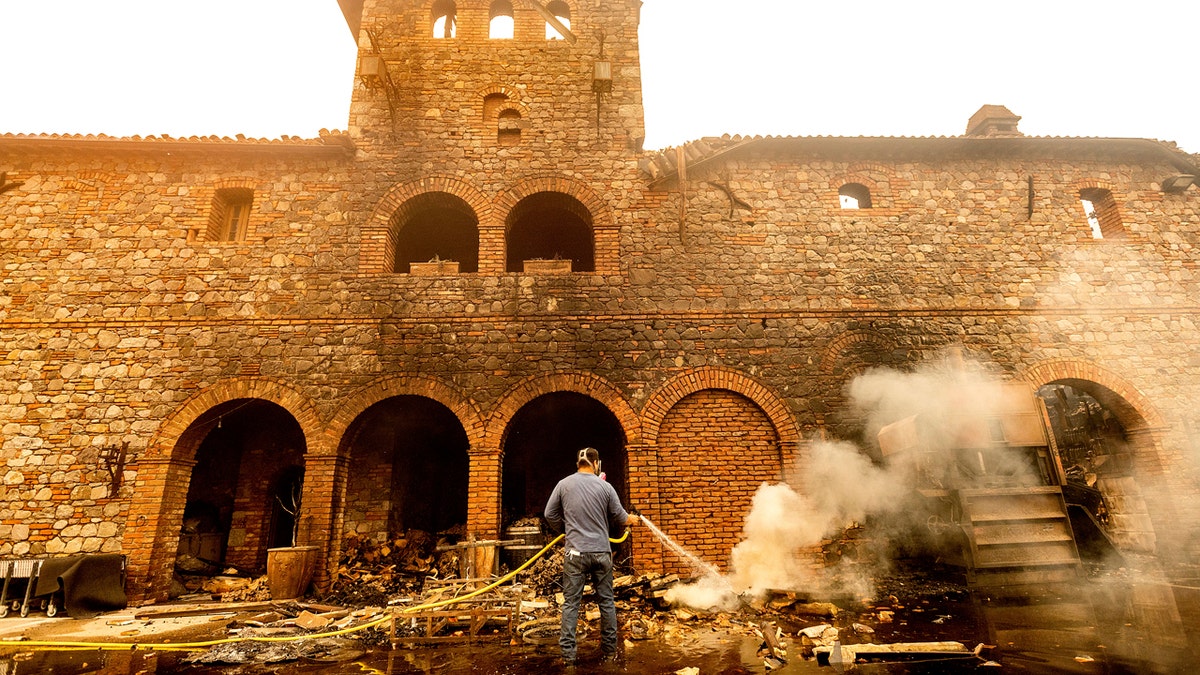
{"x": 585, "y": 506}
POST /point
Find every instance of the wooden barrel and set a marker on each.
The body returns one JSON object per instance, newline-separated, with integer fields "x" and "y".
{"x": 531, "y": 541}
{"x": 290, "y": 570}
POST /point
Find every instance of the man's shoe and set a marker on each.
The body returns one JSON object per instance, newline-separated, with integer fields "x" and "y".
{"x": 609, "y": 658}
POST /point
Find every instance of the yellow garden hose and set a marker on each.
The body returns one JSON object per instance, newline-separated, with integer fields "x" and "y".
{"x": 195, "y": 646}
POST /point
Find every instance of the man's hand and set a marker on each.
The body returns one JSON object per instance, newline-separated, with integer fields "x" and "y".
{"x": 632, "y": 520}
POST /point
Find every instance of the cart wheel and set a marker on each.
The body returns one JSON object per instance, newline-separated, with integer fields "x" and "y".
{"x": 24, "y": 611}
{"x": 51, "y": 608}
{"x": 3, "y": 610}
{"x": 15, "y": 605}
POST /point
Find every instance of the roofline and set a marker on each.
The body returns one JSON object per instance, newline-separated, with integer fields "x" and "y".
{"x": 941, "y": 145}
{"x": 335, "y": 146}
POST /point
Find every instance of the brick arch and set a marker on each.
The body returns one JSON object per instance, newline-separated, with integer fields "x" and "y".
{"x": 513, "y": 94}
{"x": 684, "y": 384}
{"x": 1094, "y": 182}
{"x": 235, "y": 182}
{"x": 376, "y": 244}
{"x": 842, "y": 343}
{"x": 1149, "y": 495}
{"x": 166, "y": 443}
{"x": 602, "y": 216}
{"x": 164, "y": 471}
{"x": 871, "y": 176}
{"x": 1132, "y": 407}
{"x": 587, "y": 384}
{"x": 859, "y": 168}
{"x": 518, "y": 106}
{"x": 435, "y": 389}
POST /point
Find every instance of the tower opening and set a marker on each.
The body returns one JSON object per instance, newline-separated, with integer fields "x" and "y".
{"x": 551, "y": 225}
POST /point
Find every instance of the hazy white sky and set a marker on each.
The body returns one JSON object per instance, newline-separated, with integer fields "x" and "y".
{"x": 266, "y": 68}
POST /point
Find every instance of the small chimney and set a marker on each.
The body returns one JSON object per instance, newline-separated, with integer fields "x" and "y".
{"x": 994, "y": 121}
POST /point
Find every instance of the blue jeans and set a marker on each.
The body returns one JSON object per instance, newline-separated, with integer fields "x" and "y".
{"x": 578, "y": 569}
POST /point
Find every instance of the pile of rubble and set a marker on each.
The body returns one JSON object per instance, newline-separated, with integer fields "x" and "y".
{"x": 199, "y": 579}
{"x": 413, "y": 590}
{"x": 281, "y": 620}
{"x": 372, "y": 573}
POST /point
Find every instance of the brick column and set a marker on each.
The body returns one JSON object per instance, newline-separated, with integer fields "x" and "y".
{"x": 643, "y": 494}
{"x": 483, "y": 489}
{"x": 151, "y": 538}
{"x": 492, "y": 250}
{"x": 321, "y": 510}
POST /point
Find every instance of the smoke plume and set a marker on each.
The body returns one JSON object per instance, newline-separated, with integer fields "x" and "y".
{"x": 840, "y": 485}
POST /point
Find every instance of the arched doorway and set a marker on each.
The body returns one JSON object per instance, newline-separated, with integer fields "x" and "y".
{"x": 408, "y": 469}
{"x": 1101, "y": 461}
{"x": 228, "y": 512}
{"x": 541, "y": 445}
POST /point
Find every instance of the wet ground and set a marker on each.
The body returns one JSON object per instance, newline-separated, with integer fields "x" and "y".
{"x": 1112, "y": 623}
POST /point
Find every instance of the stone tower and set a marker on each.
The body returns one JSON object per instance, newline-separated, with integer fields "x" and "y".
{"x": 493, "y": 93}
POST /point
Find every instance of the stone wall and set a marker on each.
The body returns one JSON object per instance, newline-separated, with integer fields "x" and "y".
{"x": 122, "y": 322}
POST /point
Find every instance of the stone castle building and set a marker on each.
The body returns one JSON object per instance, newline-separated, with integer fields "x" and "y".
{"x": 415, "y": 323}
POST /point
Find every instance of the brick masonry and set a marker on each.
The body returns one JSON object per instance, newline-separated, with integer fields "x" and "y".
{"x": 727, "y": 310}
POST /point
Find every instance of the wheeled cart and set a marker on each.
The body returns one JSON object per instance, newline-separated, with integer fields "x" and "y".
{"x": 19, "y": 594}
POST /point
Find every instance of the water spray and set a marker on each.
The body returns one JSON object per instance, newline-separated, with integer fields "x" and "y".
{"x": 713, "y": 589}
{"x": 697, "y": 564}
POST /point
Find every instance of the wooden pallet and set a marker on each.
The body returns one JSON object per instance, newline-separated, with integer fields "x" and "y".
{"x": 465, "y": 624}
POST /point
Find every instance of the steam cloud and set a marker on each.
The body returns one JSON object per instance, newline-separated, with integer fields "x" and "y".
{"x": 840, "y": 485}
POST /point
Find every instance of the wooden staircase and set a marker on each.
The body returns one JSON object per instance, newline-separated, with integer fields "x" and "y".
{"x": 1018, "y": 535}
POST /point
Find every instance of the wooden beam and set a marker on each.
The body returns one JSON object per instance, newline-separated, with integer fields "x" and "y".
{"x": 553, "y": 21}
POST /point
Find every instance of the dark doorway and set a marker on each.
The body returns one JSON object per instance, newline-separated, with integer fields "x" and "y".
{"x": 541, "y": 445}
{"x": 408, "y": 469}
{"x": 1100, "y": 464}
{"x": 229, "y": 511}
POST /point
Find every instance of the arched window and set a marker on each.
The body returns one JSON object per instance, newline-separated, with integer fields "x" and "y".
{"x": 229, "y": 219}
{"x": 1101, "y": 210}
{"x": 562, "y": 12}
{"x": 445, "y": 19}
{"x": 501, "y": 24}
{"x": 550, "y": 225}
{"x": 435, "y": 226}
{"x": 492, "y": 105}
{"x": 854, "y": 196}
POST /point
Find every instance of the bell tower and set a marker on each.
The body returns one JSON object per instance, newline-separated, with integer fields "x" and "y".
{"x": 484, "y": 83}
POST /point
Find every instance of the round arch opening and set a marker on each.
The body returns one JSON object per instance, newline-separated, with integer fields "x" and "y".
{"x": 435, "y": 226}
{"x": 551, "y": 226}
{"x": 248, "y": 449}
{"x": 542, "y": 443}
{"x": 1100, "y": 462}
{"x": 408, "y": 469}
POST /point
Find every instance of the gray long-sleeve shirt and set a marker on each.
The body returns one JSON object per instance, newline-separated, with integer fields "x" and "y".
{"x": 584, "y": 506}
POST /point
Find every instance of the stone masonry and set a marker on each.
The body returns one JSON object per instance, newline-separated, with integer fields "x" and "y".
{"x": 729, "y": 296}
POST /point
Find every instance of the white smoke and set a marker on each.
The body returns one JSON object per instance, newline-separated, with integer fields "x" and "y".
{"x": 840, "y": 486}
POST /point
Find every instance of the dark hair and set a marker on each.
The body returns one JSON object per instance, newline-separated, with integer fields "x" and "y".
{"x": 587, "y": 457}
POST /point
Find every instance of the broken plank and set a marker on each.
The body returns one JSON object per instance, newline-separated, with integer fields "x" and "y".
{"x": 898, "y": 651}
{"x": 213, "y": 608}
